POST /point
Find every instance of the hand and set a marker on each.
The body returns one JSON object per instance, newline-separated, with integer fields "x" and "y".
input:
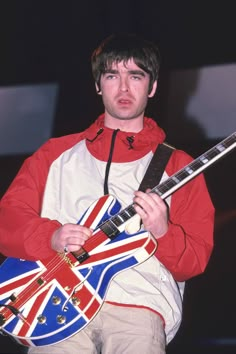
{"x": 153, "y": 211}
{"x": 71, "y": 236}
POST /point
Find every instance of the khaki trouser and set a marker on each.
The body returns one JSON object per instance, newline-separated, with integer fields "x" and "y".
{"x": 114, "y": 330}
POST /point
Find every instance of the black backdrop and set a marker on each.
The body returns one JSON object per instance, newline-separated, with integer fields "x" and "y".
{"x": 53, "y": 42}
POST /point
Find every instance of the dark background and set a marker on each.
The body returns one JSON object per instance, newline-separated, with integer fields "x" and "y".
{"x": 52, "y": 42}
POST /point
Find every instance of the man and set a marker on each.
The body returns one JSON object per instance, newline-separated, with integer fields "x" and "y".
{"x": 39, "y": 213}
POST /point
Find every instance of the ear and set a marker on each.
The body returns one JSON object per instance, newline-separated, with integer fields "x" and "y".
{"x": 99, "y": 92}
{"x": 154, "y": 88}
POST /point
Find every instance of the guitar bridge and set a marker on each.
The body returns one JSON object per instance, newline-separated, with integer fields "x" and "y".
{"x": 13, "y": 297}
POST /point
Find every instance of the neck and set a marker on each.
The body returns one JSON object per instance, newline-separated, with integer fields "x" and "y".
{"x": 134, "y": 125}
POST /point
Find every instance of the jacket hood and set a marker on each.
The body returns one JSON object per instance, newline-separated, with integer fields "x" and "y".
{"x": 128, "y": 146}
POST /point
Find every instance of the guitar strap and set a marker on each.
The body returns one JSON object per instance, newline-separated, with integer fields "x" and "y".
{"x": 156, "y": 167}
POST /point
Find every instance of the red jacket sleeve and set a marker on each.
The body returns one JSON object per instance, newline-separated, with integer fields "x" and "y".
{"x": 186, "y": 248}
{"x": 23, "y": 233}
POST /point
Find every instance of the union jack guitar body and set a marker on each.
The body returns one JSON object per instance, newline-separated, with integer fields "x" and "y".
{"x": 47, "y": 301}
{"x": 57, "y": 297}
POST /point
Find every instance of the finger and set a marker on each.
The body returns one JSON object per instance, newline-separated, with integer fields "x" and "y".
{"x": 140, "y": 211}
{"x": 75, "y": 228}
{"x": 73, "y": 244}
{"x": 147, "y": 203}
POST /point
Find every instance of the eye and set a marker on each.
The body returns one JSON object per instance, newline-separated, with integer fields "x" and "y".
{"x": 110, "y": 76}
{"x": 136, "y": 77}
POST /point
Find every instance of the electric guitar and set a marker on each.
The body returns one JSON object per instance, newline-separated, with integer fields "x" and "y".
{"x": 47, "y": 301}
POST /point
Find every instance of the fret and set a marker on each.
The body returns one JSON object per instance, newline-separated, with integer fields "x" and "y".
{"x": 160, "y": 190}
{"x": 175, "y": 179}
{"x": 117, "y": 220}
{"x": 214, "y": 152}
{"x": 183, "y": 173}
{"x": 110, "y": 227}
{"x": 197, "y": 164}
{"x": 130, "y": 210}
{"x": 165, "y": 186}
{"x": 220, "y": 147}
{"x": 189, "y": 170}
{"x": 127, "y": 212}
{"x": 204, "y": 159}
{"x": 124, "y": 215}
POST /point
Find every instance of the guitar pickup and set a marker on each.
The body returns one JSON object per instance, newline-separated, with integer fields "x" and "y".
{"x": 81, "y": 255}
{"x": 110, "y": 229}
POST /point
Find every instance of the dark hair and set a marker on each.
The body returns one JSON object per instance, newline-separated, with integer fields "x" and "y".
{"x": 122, "y": 47}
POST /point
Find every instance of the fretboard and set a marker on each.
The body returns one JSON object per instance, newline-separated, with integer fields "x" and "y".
{"x": 171, "y": 184}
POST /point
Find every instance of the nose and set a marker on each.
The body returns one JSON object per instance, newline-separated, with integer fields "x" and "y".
{"x": 124, "y": 87}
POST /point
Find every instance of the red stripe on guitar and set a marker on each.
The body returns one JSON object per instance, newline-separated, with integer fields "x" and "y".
{"x": 84, "y": 295}
{"x": 95, "y": 241}
{"x": 17, "y": 283}
{"x": 64, "y": 276}
{"x": 93, "y": 308}
{"x": 21, "y": 300}
{"x": 151, "y": 246}
{"x": 33, "y": 313}
{"x": 94, "y": 212}
{"x": 117, "y": 251}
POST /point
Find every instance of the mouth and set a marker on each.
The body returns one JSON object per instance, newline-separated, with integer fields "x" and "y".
{"x": 124, "y": 101}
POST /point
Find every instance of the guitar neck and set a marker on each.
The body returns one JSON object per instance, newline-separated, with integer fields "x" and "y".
{"x": 177, "y": 180}
{"x": 197, "y": 166}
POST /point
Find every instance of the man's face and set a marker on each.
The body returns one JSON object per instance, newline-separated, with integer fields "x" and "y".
{"x": 124, "y": 89}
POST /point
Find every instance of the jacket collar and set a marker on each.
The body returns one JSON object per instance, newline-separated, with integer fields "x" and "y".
{"x": 128, "y": 146}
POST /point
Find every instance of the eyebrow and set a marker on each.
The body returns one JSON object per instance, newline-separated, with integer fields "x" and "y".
{"x": 133, "y": 72}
